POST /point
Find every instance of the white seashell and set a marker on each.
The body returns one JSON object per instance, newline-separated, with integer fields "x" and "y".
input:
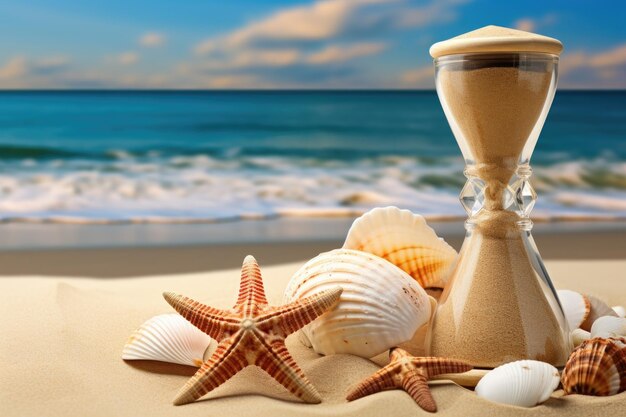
{"x": 576, "y": 307}
{"x": 579, "y": 335}
{"x": 405, "y": 240}
{"x": 381, "y": 305}
{"x": 619, "y": 310}
{"x": 598, "y": 309}
{"x": 523, "y": 383}
{"x": 608, "y": 326}
{"x": 167, "y": 338}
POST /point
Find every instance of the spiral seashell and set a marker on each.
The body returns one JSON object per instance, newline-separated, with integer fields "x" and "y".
{"x": 405, "y": 240}
{"x": 523, "y": 383}
{"x": 167, "y": 338}
{"x": 380, "y": 307}
{"x": 597, "y": 367}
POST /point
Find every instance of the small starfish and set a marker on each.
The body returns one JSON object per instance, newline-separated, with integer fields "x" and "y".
{"x": 251, "y": 333}
{"x": 409, "y": 373}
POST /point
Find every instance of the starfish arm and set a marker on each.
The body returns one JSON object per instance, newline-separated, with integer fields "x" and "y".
{"x": 286, "y": 319}
{"x": 251, "y": 291}
{"x": 416, "y": 385}
{"x": 211, "y": 321}
{"x": 220, "y": 367}
{"x": 279, "y": 364}
{"x": 379, "y": 381}
{"x": 436, "y": 366}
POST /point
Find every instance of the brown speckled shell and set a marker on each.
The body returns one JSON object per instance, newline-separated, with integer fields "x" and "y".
{"x": 597, "y": 367}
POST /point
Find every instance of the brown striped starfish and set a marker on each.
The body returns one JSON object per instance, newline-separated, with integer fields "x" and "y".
{"x": 409, "y": 373}
{"x": 251, "y": 333}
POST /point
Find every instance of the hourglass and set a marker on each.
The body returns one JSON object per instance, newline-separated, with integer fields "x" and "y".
{"x": 496, "y": 86}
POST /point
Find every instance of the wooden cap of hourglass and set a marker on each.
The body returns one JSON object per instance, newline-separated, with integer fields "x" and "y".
{"x": 496, "y": 39}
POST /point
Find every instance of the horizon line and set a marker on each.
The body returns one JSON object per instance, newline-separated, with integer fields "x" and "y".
{"x": 251, "y": 90}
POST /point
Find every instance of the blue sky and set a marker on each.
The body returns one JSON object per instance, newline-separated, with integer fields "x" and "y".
{"x": 284, "y": 44}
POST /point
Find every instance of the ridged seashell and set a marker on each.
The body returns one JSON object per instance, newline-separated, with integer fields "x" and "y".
{"x": 405, "y": 240}
{"x": 576, "y": 307}
{"x": 523, "y": 383}
{"x": 380, "y": 307}
{"x": 596, "y": 367}
{"x": 167, "y": 338}
{"x": 579, "y": 336}
{"x": 598, "y": 309}
{"x": 619, "y": 310}
{"x": 609, "y": 326}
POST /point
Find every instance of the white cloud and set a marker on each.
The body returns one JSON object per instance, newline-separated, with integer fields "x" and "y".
{"x": 152, "y": 39}
{"x": 328, "y": 20}
{"x": 15, "y": 67}
{"x": 533, "y": 24}
{"x": 315, "y": 42}
{"x": 24, "y": 72}
{"x": 527, "y": 25}
{"x": 336, "y": 53}
{"x": 308, "y": 45}
{"x": 127, "y": 58}
{"x": 606, "y": 69}
{"x": 418, "y": 75}
{"x": 321, "y": 20}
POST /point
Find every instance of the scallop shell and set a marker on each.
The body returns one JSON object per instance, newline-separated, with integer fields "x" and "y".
{"x": 404, "y": 239}
{"x": 523, "y": 383}
{"x": 596, "y": 367}
{"x": 576, "y": 307}
{"x": 608, "y": 326}
{"x": 598, "y": 309}
{"x": 167, "y": 338}
{"x": 380, "y": 307}
{"x": 619, "y": 310}
{"x": 579, "y": 335}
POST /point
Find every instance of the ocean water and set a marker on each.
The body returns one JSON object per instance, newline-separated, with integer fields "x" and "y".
{"x": 214, "y": 156}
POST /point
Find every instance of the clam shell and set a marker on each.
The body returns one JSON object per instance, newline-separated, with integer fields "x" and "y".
{"x": 576, "y": 307}
{"x": 596, "y": 367}
{"x": 598, "y": 309}
{"x": 579, "y": 335}
{"x": 609, "y": 326}
{"x": 404, "y": 239}
{"x": 167, "y": 338}
{"x": 619, "y": 310}
{"x": 380, "y": 307}
{"x": 523, "y": 383}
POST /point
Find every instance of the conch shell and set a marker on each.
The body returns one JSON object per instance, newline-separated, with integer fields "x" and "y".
{"x": 380, "y": 307}
{"x": 596, "y": 367}
{"x": 524, "y": 383}
{"x": 167, "y": 338}
{"x": 404, "y": 239}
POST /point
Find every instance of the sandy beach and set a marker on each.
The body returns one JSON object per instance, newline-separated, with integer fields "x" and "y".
{"x": 67, "y": 332}
{"x": 66, "y": 336}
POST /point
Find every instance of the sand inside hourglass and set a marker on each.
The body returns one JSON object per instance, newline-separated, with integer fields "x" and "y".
{"x": 499, "y": 310}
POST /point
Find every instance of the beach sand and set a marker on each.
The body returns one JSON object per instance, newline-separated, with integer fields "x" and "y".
{"x": 62, "y": 340}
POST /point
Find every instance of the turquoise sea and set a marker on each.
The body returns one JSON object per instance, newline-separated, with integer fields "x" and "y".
{"x": 119, "y": 156}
